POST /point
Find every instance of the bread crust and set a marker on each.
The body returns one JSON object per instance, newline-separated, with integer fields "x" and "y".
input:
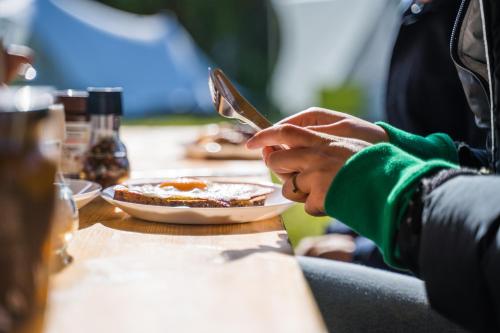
{"x": 123, "y": 194}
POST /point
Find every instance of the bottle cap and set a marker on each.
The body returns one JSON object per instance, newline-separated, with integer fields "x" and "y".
{"x": 105, "y": 101}
{"x": 74, "y": 101}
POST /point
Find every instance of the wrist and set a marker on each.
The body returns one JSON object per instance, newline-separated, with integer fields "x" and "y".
{"x": 383, "y": 136}
{"x": 434, "y": 146}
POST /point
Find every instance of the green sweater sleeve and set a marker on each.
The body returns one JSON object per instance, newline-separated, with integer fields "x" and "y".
{"x": 372, "y": 189}
{"x": 437, "y": 145}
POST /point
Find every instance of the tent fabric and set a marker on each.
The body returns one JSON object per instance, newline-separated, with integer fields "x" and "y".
{"x": 80, "y": 44}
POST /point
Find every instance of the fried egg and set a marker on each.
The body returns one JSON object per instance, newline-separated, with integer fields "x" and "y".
{"x": 186, "y": 189}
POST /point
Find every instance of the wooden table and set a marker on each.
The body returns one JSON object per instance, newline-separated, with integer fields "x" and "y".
{"x": 135, "y": 276}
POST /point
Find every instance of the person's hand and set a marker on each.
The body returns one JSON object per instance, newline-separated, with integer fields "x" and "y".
{"x": 337, "y": 123}
{"x": 310, "y": 164}
{"x": 15, "y": 57}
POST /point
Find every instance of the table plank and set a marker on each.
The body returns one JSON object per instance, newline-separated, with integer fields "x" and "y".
{"x": 136, "y": 276}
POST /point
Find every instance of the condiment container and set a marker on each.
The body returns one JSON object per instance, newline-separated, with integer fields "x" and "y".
{"x": 106, "y": 161}
{"x": 26, "y": 208}
{"x": 78, "y": 131}
{"x": 65, "y": 218}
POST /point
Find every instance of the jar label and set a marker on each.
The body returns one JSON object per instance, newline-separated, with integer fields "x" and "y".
{"x": 75, "y": 147}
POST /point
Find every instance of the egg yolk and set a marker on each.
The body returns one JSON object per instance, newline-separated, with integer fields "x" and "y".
{"x": 185, "y": 184}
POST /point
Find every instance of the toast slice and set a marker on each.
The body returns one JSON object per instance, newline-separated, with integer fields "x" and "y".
{"x": 213, "y": 196}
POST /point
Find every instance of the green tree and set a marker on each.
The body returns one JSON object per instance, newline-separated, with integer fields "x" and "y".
{"x": 239, "y": 36}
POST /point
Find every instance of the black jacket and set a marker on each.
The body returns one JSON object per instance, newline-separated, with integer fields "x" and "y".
{"x": 424, "y": 94}
{"x": 450, "y": 235}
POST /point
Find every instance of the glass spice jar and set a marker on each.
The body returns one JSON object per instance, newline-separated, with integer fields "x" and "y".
{"x": 65, "y": 219}
{"x": 77, "y": 140}
{"x": 106, "y": 161}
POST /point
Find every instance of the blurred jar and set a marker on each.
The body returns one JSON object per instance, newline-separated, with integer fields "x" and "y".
{"x": 78, "y": 130}
{"x": 65, "y": 217}
{"x": 106, "y": 162}
{"x": 65, "y": 224}
{"x": 26, "y": 207}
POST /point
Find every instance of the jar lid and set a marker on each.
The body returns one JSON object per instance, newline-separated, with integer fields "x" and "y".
{"x": 105, "y": 101}
{"x": 74, "y": 101}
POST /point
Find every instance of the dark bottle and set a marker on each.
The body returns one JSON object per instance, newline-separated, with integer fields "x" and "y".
{"x": 106, "y": 161}
{"x": 26, "y": 208}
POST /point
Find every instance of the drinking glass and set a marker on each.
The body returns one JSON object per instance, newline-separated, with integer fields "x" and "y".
{"x": 65, "y": 217}
{"x": 26, "y": 207}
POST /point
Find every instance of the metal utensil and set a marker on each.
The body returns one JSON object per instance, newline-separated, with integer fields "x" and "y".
{"x": 229, "y": 103}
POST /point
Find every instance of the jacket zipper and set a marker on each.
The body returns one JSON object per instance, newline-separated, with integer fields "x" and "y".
{"x": 453, "y": 42}
{"x": 490, "y": 86}
{"x": 455, "y": 33}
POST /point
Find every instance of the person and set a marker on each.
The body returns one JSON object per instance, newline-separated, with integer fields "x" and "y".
{"x": 430, "y": 205}
{"x": 420, "y": 64}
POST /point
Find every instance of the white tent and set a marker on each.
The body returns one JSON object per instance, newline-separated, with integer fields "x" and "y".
{"x": 81, "y": 43}
{"x": 329, "y": 42}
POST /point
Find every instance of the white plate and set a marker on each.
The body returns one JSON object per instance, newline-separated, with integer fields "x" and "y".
{"x": 275, "y": 205}
{"x": 84, "y": 191}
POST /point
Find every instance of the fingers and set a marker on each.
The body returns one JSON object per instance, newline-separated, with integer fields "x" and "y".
{"x": 314, "y": 116}
{"x": 314, "y": 204}
{"x": 288, "y": 189}
{"x": 314, "y": 171}
{"x": 266, "y": 151}
{"x": 307, "y": 191}
{"x": 293, "y": 160}
{"x": 283, "y": 176}
{"x": 289, "y": 135}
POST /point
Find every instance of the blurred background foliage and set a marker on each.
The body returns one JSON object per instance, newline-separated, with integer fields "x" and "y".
{"x": 241, "y": 37}
{"x": 348, "y": 98}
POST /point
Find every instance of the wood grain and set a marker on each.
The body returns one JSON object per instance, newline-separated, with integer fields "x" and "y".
{"x": 130, "y": 275}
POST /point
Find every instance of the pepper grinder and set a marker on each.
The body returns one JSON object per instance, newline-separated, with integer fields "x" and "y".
{"x": 106, "y": 161}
